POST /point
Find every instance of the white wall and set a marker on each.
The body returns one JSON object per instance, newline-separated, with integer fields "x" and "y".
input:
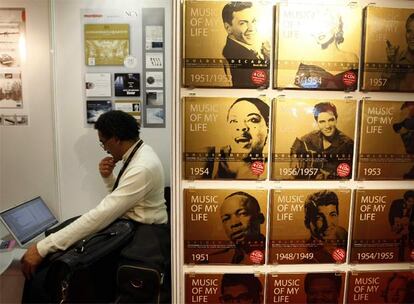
{"x": 27, "y": 156}
{"x": 78, "y": 149}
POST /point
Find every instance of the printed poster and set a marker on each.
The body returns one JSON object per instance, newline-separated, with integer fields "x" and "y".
{"x": 313, "y": 139}
{"x": 98, "y": 84}
{"x": 12, "y": 30}
{"x": 226, "y": 44}
{"x": 317, "y": 46}
{"x": 225, "y": 226}
{"x": 95, "y": 108}
{"x": 383, "y": 226}
{"x": 309, "y": 226}
{"x": 127, "y": 84}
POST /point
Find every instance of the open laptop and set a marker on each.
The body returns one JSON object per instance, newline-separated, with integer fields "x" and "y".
{"x": 28, "y": 220}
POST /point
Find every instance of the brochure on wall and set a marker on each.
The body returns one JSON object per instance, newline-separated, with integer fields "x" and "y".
{"x": 155, "y": 116}
{"x": 380, "y": 287}
{"x": 226, "y": 44}
{"x": 154, "y": 79}
{"x": 225, "y": 226}
{"x": 155, "y": 97}
{"x": 317, "y": 46}
{"x": 127, "y": 84}
{"x": 215, "y": 288}
{"x": 154, "y": 37}
{"x": 10, "y": 91}
{"x": 387, "y": 60}
{"x": 94, "y": 109}
{"x": 132, "y": 106}
{"x": 309, "y": 226}
{"x": 98, "y": 84}
{"x": 313, "y": 139}
{"x": 12, "y": 28}
{"x": 386, "y": 149}
{"x": 313, "y": 287}
{"x": 383, "y": 226}
{"x": 106, "y": 44}
{"x": 225, "y": 138}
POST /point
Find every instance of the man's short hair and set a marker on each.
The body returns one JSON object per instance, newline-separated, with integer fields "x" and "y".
{"x": 231, "y": 7}
{"x": 396, "y": 210}
{"x": 258, "y": 103}
{"x": 320, "y": 198}
{"x": 409, "y": 194}
{"x": 324, "y": 107}
{"x": 251, "y": 202}
{"x": 409, "y": 20}
{"x": 252, "y": 283}
{"x": 118, "y": 124}
{"x": 336, "y": 279}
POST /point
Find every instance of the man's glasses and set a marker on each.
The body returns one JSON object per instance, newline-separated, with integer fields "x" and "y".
{"x": 102, "y": 143}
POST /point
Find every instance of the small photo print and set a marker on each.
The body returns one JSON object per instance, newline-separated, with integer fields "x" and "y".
{"x": 14, "y": 120}
{"x": 22, "y": 120}
{"x": 9, "y": 120}
{"x": 154, "y": 80}
{"x": 10, "y": 90}
{"x": 155, "y": 97}
{"x": 94, "y": 109}
{"x": 127, "y": 84}
{"x": 154, "y": 61}
{"x": 155, "y": 116}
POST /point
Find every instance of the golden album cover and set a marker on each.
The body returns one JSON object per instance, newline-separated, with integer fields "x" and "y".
{"x": 386, "y": 149}
{"x": 219, "y": 288}
{"x": 309, "y": 226}
{"x": 317, "y": 46}
{"x": 226, "y": 44}
{"x": 224, "y": 226}
{"x": 225, "y": 137}
{"x": 313, "y": 287}
{"x": 106, "y": 44}
{"x": 388, "y": 52}
{"x": 381, "y": 287}
{"x": 383, "y": 229}
{"x": 313, "y": 139}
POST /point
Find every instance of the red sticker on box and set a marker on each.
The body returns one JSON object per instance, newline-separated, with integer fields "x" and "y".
{"x": 256, "y": 257}
{"x": 258, "y": 77}
{"x": 339, "y": 255}
{"x": 257, "y": 168}
{"x": 343, "y": 170}
{"x": 349, "y": 78}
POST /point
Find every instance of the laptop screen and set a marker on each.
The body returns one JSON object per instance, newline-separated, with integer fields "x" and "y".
{"x": 29, "y": 219}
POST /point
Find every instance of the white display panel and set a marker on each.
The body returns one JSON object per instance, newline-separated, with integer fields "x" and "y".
{"x": 78, "y": 149}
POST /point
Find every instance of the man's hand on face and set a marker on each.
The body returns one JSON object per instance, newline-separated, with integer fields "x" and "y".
{"x": 106, "y": 166}
{"x": 30, "y": 261}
